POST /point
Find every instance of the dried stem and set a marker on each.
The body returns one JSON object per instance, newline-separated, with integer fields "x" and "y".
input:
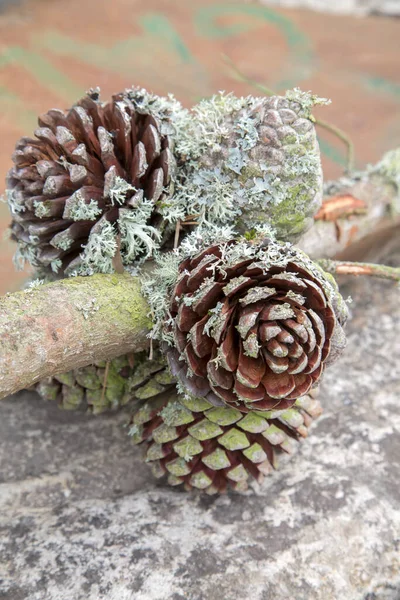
{"x": 340, "y": 267}
{"x": 103, "y": 391}
{"x": 342, "y": 136}
{"x": 240, "y": 76}
{"x": 177, "y": 232}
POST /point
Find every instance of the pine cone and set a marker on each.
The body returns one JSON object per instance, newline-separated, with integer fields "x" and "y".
{"x": 211, "y": 448}
{"x": 92, "y": 177}
{"x": 257, "y": 163}
{"x": 253, "y": 327}
{"x": 107, "y": 386}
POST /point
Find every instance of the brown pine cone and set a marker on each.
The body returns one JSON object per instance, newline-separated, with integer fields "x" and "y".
{"x": 94, "y": 176}
{"x": 213, "y": 448}
{"x": 253, "y": 327}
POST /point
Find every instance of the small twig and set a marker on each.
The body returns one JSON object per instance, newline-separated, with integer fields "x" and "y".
{"x": 131, "y": 359}
{"x": 342, "y": 136}
{"x": 103, "y": 391}
{"x": 177, "y": 231}
{"x": 117, "y": 259}
{"x": 324, "y": 124}
{"x": 187, "y": 221}
{"x": 239, "y": 75}
{"x": 338, "y": 267}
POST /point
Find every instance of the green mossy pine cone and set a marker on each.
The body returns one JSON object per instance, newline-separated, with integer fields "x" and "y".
{"x": 98, "y": 388}
{"x": 215, "y": 448}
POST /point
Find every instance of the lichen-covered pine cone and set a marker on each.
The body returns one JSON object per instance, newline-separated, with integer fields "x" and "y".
{"x": 107, "y": 386}
{"x": 213, "y": 448}
{"x": 257, "y": 163}
{"x": 94, "y": 178}
{"x": 253, "y": 326}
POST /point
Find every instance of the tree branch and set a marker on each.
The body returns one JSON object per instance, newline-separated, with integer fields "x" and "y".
{"x": 334, "y": 237}
{"x": 69, "y": 324}
{"x": 340, "y": 267}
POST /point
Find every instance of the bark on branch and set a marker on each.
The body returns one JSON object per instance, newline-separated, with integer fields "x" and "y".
{"x": 75, "y": 322}
{"x": 68, "y": 324}
{"x": 379, "y": 196}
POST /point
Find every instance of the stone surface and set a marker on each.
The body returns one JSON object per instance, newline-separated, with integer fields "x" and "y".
{"x": 81, "y": 517}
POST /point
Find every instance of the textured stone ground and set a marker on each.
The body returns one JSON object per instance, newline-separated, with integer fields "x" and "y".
{"x": 81, "y": 517}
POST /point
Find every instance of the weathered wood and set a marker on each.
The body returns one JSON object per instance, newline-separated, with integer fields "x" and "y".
{"x": 329, "y": 238}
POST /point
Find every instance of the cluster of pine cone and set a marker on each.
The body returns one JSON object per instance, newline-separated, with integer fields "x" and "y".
{"x": 250, "y": 323}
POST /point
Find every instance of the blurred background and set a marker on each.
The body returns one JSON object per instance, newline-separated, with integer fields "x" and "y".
{"x": 52, "y": 51}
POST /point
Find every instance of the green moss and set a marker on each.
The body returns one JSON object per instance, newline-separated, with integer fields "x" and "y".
{"x": 143, "y": 414}
{"x": 288, "y": 216}
{"x": 205, "y": 430}
{"x": 274, "y": 435}
{"x": 149, "y": 390}
{"x": 188, "y": 447}
{"x": 200, "y": 480}
{"x": 49, "y": 389}
{"x": 255, "y": 453}
{"x": 172, "y": 480}
{"x": 154, "y": 452}
{"x": 217, "y": 460}
{"x": 67, "y": 378}
{"x": 223, "y": 415}
{"x": 175, "y": 414}
{"x": 234, "y": 440}
{"x": 238, "y": 473}
{"x": 178, "y": 467}
{"x": 253, "y": 423}
{"x": 157, "y": 469}
{"x": 72, "y": 397}
{"x": 195, "y": 404}
{"x": 136, "y": 433}
{"x": 292, "y": 417}
{"x": 97, "y": 400}
{"x": 118, "y": 297}
{"x": 288, "y": 140}
{"x": 164, "y": 434}
{"x": 250, "y": 171}
{"x": 88, "y": 378}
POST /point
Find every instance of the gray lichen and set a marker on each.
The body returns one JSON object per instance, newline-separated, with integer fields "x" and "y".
{"x": 78, "y": 210}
